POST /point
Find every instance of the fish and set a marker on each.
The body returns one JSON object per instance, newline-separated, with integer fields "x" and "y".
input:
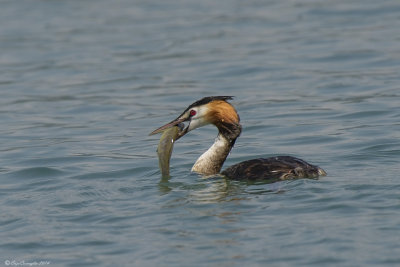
{"x": 165, "y": 147}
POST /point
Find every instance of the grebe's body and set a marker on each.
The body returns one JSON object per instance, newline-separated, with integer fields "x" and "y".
{"x": 275, "y": 168}
{"x": 217, "y": 111}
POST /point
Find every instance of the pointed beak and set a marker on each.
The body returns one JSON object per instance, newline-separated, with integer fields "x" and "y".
{"x": 178, "y": 122}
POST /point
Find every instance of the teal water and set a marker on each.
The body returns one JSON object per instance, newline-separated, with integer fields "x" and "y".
{"x": 83, "y": 83}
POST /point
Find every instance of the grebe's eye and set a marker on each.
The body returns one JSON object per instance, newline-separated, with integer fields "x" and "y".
{"x": 193, "y": 112}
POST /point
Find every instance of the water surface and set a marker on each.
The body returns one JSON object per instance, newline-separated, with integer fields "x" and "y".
{"x": 84, "y": 83}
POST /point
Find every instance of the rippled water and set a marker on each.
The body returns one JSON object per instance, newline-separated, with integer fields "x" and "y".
{"x": 84, "y": 82}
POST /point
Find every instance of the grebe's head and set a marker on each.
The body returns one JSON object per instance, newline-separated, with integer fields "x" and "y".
{"x": 208, "y": 110}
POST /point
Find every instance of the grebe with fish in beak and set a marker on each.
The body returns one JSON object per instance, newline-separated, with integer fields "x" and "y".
{"x": 218, "y": 111}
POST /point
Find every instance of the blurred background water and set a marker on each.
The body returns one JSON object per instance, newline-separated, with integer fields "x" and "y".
{"x": 84, "y": 82}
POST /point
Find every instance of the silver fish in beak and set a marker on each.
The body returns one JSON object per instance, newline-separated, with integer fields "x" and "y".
{"x": 166, "y": 145}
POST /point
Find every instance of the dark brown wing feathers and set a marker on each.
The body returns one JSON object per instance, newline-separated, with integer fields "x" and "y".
{"x": 275, "y": 168}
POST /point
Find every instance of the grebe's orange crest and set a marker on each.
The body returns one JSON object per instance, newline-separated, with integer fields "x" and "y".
{"x": 220, "y": 111}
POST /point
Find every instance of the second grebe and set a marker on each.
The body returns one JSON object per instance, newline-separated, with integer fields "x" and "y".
{"x": 217, "y": 111}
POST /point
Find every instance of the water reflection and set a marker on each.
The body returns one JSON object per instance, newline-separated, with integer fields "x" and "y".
{"x": 216, "y": 189}
{"x": 208, "y": 190}
{"x": 164, "y": 185}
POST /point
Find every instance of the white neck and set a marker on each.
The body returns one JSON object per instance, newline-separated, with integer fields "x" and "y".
{"x": 212, "y": 160}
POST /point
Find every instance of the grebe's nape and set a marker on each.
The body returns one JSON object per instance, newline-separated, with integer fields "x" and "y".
{"x": 218, "y": 111}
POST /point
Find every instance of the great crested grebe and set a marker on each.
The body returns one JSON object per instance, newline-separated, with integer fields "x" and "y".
{"x": 217, "y": 111}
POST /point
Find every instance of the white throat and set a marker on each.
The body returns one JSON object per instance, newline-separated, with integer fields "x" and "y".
{"x": 211, "y": 161}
